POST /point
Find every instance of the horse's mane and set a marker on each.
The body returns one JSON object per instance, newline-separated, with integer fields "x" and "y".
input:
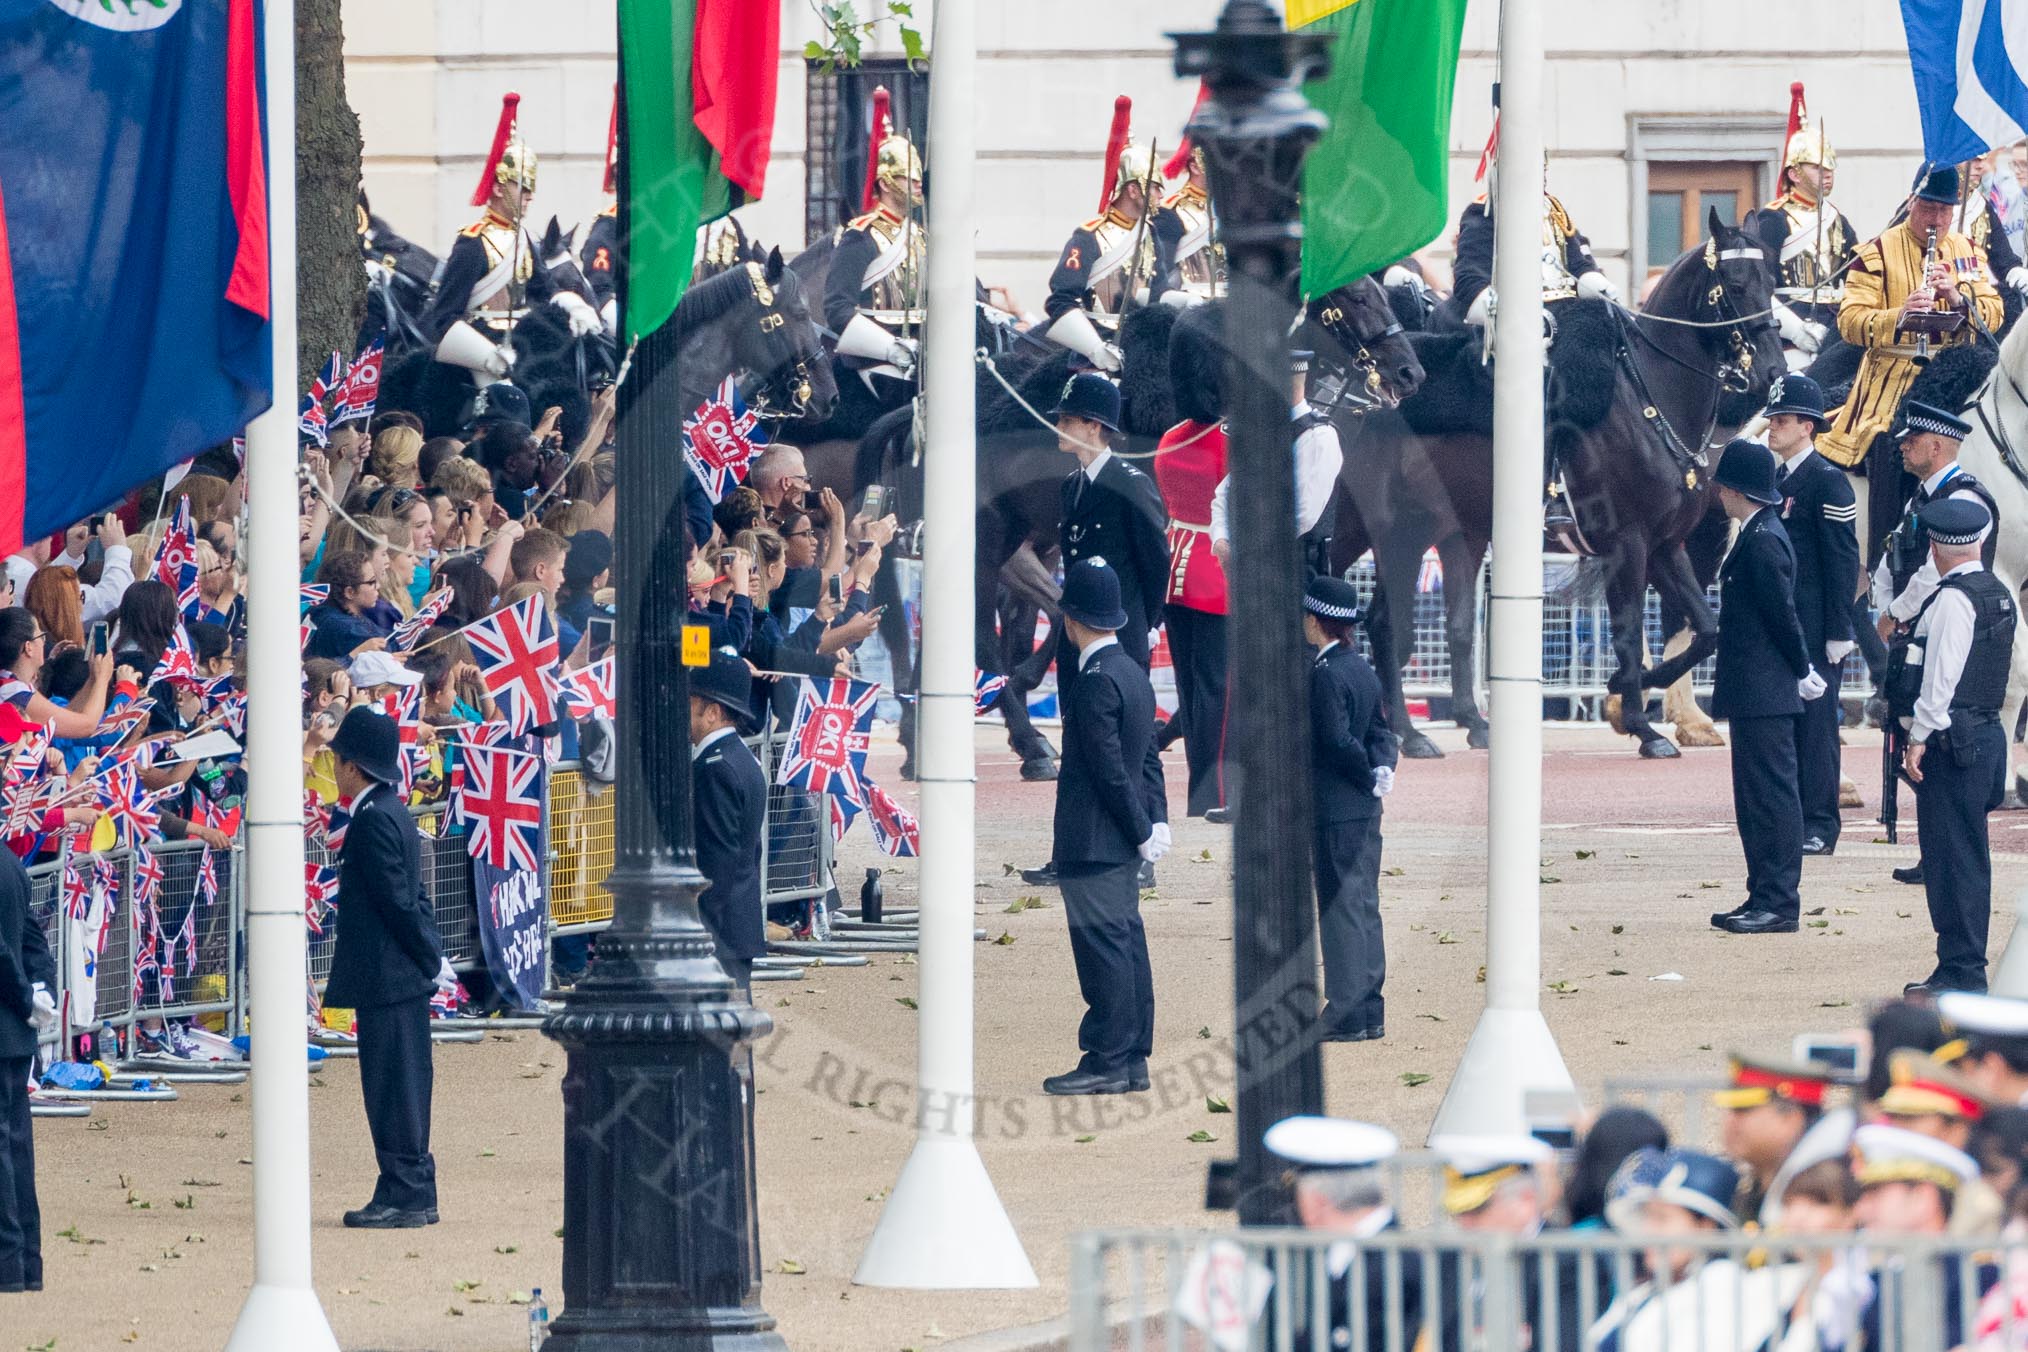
{"x": 1676, "y": 286}
{"x": 711, "y": 300}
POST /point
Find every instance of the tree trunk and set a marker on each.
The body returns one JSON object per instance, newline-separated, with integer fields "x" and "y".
{"x": 330, "y": 280}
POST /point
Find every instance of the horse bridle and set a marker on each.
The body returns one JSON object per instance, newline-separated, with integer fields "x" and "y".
{"x": 1374, "y": 385}
{"x": 791, "y": 379}
{"x": 1996, "y": 428}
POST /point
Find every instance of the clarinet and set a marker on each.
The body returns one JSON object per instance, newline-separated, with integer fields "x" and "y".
{"x": 1922, "y": 335}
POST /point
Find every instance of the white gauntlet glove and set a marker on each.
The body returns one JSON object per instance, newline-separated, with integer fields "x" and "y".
{"x": 1811, "y": 686}
{"x": 1596, "y": 286}
{"x": 584, "y": 321}
{"x": 1383, "y": 781}
{"x": 2018, "y": 279}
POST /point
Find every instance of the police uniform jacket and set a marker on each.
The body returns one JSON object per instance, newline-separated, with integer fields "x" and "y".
{"x": 1966, "y": 634}
{"x": 1113, "y": 511}
{"x": 24, "y": 960}
{"x": 1461, "y": 1310}
{"x": 1189, "y": 466}
{"x": 1905, "y": 577}
{"x": 729, "y": 796}
{"x": 601, "y": 247}
{"x": 1760, "y": 645}
{"x": 1883, "y": 274}
{"x": 1109, "y": 790}
{"x": 1349, "y": 736}
{"x": 388, "y": 947}
{"x": 1818, "y": 512}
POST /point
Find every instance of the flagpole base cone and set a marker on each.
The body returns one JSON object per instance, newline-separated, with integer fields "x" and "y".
{"x": 281, "y": 1316}
{"x": 943, "y": 1228}
{"x": 1511, "y": 1055}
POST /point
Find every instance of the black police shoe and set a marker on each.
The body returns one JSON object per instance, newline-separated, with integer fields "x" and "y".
{"x": 1089, "y": 1082}
{"x": 1040, "y": 877}
{"x": 378, "y": 1217}
{"x": 1218, "y": 816}
{"x": 1718, "y": 918}
{"x": 1137, "y": 1077}
{"x": 1911, "y": 875}
{"x": 1818, "y": 845}
{"x": 1759, "y": 922}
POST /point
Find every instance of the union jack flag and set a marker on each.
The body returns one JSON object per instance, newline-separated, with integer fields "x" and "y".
{"x": 147, "y": 962}
{"x": 361, "y": 388}
{"x": 27, "y": 769}
{"x": 310, "y": 419}
{"x": 221, "y": 819}
{"x": 826, "y": 751}
{"x": 126, "y": 718}
{"x": 842, "y": 814}
{"x": 312, "y": 594}
{"x": 207, "y": 879}
{"x": 589, "y": 693}
{"x": 148, "y": 877}
{"x": 186, "y": 935}
{"x": 894, "y": 827}
{"x": 320, "y": 894}
{"x": 408, "y": 631}
{"x": 404, "y": 706}
{"x": 316, "y": 817}
{"x": 721, "y": 439}
{"x": 501, "y": 805}
{"x": 334, "y": 834}
{"x": 516, "y": 650}
{"x": 231, "y": 713}
{"x": 179, "y": 662}
{"x": 132, "y": 808}
{"x": 985, "y": 691}
{"x": 176, "y": 557}
{"x": 77, "y": 896}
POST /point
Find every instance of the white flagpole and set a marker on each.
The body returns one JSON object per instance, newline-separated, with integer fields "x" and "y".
{"x": 943, "y": 1227}
{"x": 282, "y": 1309}
{"x": 1512, "y": 1053}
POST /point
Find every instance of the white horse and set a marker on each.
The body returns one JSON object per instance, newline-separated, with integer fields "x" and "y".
{"x": 1997, "y": 454}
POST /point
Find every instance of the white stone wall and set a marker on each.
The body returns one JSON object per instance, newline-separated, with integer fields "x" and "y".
{"x": 426, "y": 78}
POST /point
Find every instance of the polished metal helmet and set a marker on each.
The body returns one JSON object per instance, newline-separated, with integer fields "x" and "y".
{"x": 517, "y": 165}
{"x": 1137, "y": 165}
{"x": 898, "y": 164}
{"x": 1808, "y": 146}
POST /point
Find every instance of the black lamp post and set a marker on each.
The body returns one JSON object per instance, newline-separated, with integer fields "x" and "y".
{"x": 1255, "y": 129}
{"x": 661, "y": 1245}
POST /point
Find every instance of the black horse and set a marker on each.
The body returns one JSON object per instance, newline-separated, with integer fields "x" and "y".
{"x": 1169, "y": 363}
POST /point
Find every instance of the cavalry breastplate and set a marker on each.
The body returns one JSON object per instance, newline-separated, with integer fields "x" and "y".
{"x": 499, "y": 239}
{"x": 1122, "y": 265}
{"x": 1811, "y": 255}
{"x": 891, "y": 291}
{"x": 1557, "y": 282}
{"x": 1200, "y": 258}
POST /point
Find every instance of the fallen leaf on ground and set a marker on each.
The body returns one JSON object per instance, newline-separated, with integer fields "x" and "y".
{"x": 909, "y": 1001}
{"x": 1412, "y": 1078}
{"x": 1216, "y": 1105}
{"x": 789, "y": 1267}
{"x": 1084, "y": 1140}
{"x": 1200, "y": 1137}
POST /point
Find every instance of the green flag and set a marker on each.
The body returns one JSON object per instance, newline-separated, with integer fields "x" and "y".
{"x": 1374, "y": 186}
{"x": 700, "y": 103}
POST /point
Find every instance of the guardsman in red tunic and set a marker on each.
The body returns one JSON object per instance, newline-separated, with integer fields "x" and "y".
{"x": 1189, "y": 463}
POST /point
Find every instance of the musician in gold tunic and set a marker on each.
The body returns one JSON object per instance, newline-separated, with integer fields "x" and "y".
{"x": 873, "y": 297}
{"x": 1890, "y": 298}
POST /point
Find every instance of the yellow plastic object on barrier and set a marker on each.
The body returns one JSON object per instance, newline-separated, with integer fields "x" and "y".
{"x": 581, "y": 850}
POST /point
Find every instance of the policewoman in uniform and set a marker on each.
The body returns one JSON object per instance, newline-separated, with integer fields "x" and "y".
{"x": 1764, "y": 677}
{"x": 1111, "y": 510}
{"x": 728, "y": 801}
{"x": 27, "y": 1010}
{"x": 1352, "y": 759}
{"x": 1962, "y": 644}
{"x": 1111, "y": 816}
{"x": 1819, "y": 514}
{"x": 388, "y": 962}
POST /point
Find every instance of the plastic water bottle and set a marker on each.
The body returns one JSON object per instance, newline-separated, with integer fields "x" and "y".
{"x": 538, "y": 1321}
{"x": 870, "y": 898}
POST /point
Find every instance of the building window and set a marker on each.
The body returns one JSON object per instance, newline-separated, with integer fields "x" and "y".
{"x": 1681, "y": 195}
{"x": 838, "y": 113}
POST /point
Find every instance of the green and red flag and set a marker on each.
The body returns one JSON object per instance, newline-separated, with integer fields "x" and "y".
{"x": 1374, "y": 186}
{"x": 699, "y": 78}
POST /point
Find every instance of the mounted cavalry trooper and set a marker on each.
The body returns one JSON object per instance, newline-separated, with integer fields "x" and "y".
{"x": 484, "y": 286}
{"x": 1815, "y": 240}
{"x": 1109, "y": 259}
{"x": 1903, "y": 300}
{"x": 873, "y": 299}
{"x": 1190, "y": 263}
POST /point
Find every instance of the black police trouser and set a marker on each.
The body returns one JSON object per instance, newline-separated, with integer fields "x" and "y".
{"x": 1197, "y": 651}
{"x": 20, "y": 1217}
{"x": 1768, "y": 807}
{"x": 1103, "y": 905}
{"x": 1951, "y": 804}
{"x": 396, "y": 1077}
{"x": 1817, "y": 759}
{"x": 1348, "y": 922}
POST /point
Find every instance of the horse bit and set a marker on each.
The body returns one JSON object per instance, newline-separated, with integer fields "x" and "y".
{"x": 796, "y": 377}
{"x": 1372, "y": 388}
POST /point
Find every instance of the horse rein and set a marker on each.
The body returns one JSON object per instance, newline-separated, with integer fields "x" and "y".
{"x": 1373, "y": 384}
{"x": 1996, "y": 428}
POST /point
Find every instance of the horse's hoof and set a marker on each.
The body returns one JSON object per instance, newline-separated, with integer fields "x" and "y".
{"x": 1038, "y": 769}
{"x": 1658, "y": 747}
{"x": 1876, "y": 712}
{"x": 1479, "y": 738}
{"x": 1612, "y": 713}
{"x": 1416, "y": 746}
{"x": 1699, "y": 734}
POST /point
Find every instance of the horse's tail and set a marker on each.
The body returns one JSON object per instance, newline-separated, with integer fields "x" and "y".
{"x": 1584, "y": 585}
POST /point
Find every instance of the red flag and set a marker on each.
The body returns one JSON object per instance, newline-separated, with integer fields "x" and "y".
{"x": 733, "y": 66}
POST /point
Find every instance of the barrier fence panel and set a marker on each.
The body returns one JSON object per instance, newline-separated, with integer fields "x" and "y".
{"x": 194, "y": 970}
{"x": 45, "y": 907}
{"x": 580, "y": 852}
{"x": 796, "y": 835}
{"x": 447, "y": 882}
{"x": 1451, "y": 1290}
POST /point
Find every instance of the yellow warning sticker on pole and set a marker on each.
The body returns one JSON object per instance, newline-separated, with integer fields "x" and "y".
{"x": 696, "y": 646}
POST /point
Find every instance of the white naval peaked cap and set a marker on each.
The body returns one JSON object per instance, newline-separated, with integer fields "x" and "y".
{"x": 1471, "y": 1155}
{"x": 1889, "y": 1154}
{"x": 1991, "y": 1015}
{"x": 1330, "y": 1142}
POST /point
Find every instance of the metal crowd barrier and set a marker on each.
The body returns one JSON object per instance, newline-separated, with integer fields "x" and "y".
{"x": 1451, "y": 1290}
{"x": 1577, "y": 652}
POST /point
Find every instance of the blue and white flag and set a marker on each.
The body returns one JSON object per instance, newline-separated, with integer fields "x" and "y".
{"x": 1970, "y": 59}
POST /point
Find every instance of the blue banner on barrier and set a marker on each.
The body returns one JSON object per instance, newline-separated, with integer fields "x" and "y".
{"x": 514, "y": 918}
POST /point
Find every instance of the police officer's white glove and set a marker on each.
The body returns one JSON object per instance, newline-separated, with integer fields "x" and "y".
{"x": 1836, "y": 650}
{"x": 447, "y": 980}
{"x": 2018, "y": 279}
{"x": 43, "y": 1015}
{"x": 1157, "y": 844}
{"x": 1383, "y": 780}
{"x": 1811, "y": 686}
{"x": 584, "y": 321}
{"x": 1596, "y": 286}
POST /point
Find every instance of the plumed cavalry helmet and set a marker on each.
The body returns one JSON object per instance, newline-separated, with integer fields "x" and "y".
{"x": 1808, "y": 146}
{"x": 517, "y": 164}
{"x": 899, "y": 165}
{"x": 1126, "y": 163}
{"x": 1137, "y": 166}
{"x": 510, "y": 160}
